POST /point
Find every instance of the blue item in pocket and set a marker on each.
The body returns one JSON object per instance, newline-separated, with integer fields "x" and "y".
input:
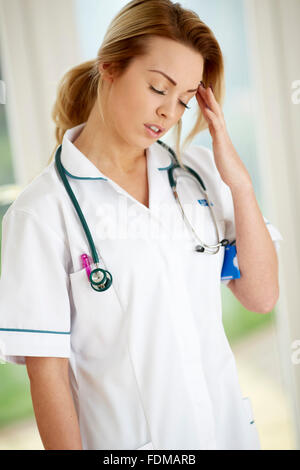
{"x": 230, "y": 268}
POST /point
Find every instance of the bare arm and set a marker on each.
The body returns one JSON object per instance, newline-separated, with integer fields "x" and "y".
{"x": 53, "y": 403}
{"x": 258, "y": 287}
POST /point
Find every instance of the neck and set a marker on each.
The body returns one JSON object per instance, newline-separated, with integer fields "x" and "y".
{"x": 104, "y": 148}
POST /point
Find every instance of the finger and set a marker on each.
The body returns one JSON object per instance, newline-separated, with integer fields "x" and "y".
{"x": 209, "y": 115}
{"x": 209, "y": 98}
{"x": 201, "y": 93}
{"x": 204, "y": 93}
{"x": 202, "y": 103}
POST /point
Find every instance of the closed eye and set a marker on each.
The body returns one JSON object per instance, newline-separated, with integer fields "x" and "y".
{"x": 163, "y": 93}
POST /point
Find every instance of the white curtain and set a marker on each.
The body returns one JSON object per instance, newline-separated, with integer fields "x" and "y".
{"x": 274, "y": 35}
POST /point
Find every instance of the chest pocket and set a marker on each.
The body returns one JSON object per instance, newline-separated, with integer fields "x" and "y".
{"x": 97, "y": 317}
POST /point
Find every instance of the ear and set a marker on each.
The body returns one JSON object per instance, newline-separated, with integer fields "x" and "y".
{"x": 104, "y": 71}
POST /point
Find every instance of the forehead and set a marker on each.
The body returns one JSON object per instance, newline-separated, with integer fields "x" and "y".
{"x": 175, "y": 59}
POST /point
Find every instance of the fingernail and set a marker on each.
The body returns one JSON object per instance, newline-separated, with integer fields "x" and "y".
{"x": 211, "y": 87}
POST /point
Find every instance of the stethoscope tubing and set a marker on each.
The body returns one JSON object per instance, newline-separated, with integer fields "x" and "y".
{"x": 101, "y": 279}
{"x": 72, "y": 196}
{"x": 210, "y": 249}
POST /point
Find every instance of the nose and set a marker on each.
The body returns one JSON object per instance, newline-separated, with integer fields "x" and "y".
{"x": 168, "y": 111}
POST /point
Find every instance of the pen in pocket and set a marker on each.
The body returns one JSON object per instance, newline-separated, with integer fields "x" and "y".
{"x": 85, "y": 263}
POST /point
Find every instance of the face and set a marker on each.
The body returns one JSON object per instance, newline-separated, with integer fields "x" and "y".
{"x": 141, "y": 96}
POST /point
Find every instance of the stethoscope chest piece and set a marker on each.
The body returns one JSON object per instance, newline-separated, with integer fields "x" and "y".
{"x": 100, "y": 279}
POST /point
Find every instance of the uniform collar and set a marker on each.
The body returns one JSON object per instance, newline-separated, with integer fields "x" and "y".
{"x": 78, "y": 166}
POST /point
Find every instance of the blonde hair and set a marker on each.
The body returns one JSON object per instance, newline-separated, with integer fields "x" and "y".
{"x": 126, "y": 38}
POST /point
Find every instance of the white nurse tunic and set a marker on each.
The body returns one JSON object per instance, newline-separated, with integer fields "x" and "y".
{"x": 150, "y": 364}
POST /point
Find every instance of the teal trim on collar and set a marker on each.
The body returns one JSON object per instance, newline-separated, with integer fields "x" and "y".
{"x": 101, "y": 178}
{"x": 171, "y": 155}
{"x": 105, "y": 179}
{"x": 37, "y": 331}
{"x": 83, "y": 177}
{"x": 166, "y": 167}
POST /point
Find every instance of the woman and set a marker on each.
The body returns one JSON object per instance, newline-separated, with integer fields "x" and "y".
{"x": 144, "y": 363}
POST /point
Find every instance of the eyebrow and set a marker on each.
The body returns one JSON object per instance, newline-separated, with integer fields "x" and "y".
{"x": 170, "y": 79}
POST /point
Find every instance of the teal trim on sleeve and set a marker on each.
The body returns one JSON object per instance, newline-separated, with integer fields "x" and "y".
{"x": 37, "y": 331}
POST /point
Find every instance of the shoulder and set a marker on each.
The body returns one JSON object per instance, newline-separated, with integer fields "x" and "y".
{"x": 201, "y": 159}
{"x": 42, "y": 200}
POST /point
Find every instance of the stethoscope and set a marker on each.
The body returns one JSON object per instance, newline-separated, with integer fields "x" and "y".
{"x": 101, "y": 279}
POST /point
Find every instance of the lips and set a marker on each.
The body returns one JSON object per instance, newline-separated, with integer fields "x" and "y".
{"x": 155, "y": 125}
{"x": 152, "y": 133}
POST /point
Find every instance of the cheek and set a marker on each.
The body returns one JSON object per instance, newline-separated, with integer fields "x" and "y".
{"x": 136, "y": 106}
{"x": 139, "y": 97}
{"x": 119, "y": 107}
{"x": 126, "y": 111}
